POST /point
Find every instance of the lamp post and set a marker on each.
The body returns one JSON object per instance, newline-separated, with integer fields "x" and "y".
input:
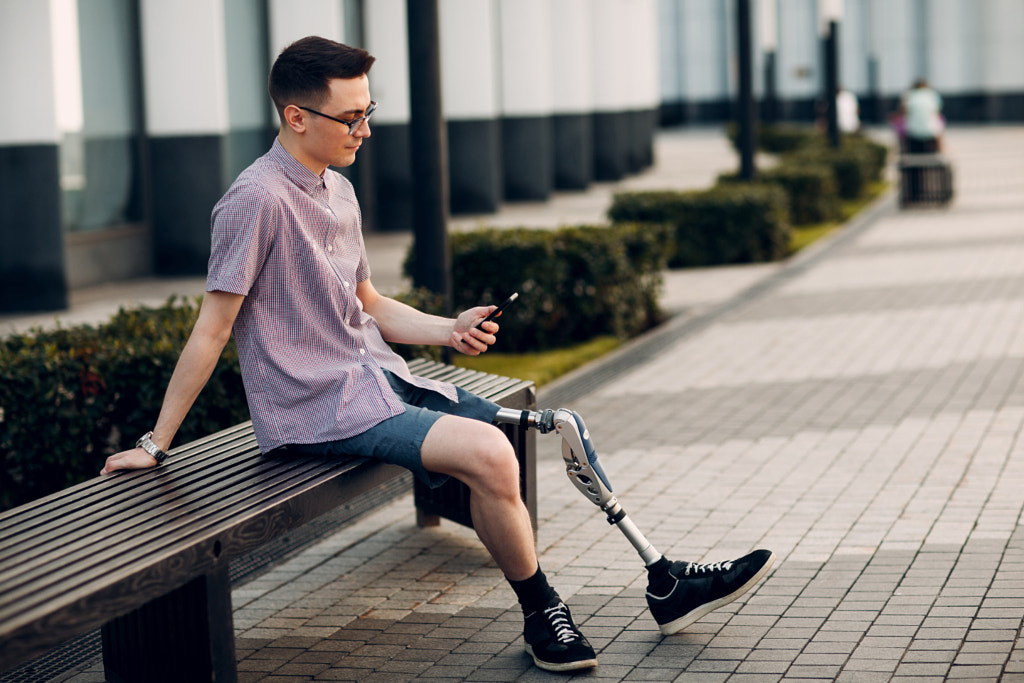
{"x": 745, "y": 102}
{"x": 769, "y": 43}
{"x": 830, "y": 13}
{"x": 429, "y": 152}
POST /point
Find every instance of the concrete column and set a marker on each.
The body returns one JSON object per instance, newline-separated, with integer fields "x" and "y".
{"x": 252, "y": 123}
{"x": 387, "y": 39}
{"x": 471, "y": 94}
{"x": 670, "y": 73}
{"x": 526, "y": 98}
{"x": 643, "y": 83}
{"x": 611, "y": 89}
{"x": 798, "y": 59}
{"x": 32, "y": 266}
{"x": 1002, "y": 55}
{"x": 705, "y": 61}
{"x": 186, "y": 101}
{"x": 572, "y": 94}
{"x": 896, "y": 23}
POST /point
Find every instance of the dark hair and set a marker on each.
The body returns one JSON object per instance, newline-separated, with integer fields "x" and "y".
{"x": 302, "y": 72}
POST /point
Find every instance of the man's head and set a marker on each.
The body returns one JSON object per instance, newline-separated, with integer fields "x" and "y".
{"x": 322, "y": 95}
{"x": 302, "y": 73}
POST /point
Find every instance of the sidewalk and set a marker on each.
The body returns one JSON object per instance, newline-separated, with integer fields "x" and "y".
{"x": 857, "y": 410}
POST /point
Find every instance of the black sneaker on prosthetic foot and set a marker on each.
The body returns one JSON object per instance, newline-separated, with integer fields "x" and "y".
{"x": 554, "y": 642}
{"x": 680, "y": 593}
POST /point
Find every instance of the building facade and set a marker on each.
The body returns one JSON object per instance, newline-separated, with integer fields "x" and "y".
{"x": 125, "y": 120}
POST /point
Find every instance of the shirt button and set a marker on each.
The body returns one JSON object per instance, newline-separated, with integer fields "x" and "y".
{"x": 330, "y": 247}
{"x": 362, "y": 352}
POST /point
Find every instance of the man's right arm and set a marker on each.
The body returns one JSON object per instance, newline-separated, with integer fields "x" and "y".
{"x": 195, "y": 365}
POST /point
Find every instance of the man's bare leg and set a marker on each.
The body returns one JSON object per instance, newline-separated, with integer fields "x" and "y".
{"x": 480, "y": 456}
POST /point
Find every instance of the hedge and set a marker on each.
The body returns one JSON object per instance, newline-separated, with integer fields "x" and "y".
{"x": 574, "y": 283}
{"x": 729, "y": 223}
{"x": 810, "y": 190}
{"x": 71, "y": 397}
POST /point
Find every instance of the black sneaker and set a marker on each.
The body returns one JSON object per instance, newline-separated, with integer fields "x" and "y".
{"x": 554, "y": 642}
{"x": 687, "y": 591}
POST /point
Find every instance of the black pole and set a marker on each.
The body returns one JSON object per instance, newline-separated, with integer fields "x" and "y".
{"x": 429, "y": 152}
{"x": 771, "y": 101}
{"x": 745, "y": 106}
{"x": 832, "y": 81}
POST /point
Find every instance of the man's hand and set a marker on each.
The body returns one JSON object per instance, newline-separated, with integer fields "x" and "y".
{"x": 469, "y": 340}
{"x": 134, "y": 459}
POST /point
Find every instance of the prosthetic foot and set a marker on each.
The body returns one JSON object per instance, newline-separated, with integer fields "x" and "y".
{"x": 678, "y": 593}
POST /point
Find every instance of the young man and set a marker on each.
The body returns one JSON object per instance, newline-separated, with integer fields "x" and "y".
{"x": 289, "y": 277}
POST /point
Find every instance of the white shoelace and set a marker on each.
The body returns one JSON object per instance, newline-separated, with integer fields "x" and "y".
{"x": 558, "y": 617}
{"x": 692, "y": 568}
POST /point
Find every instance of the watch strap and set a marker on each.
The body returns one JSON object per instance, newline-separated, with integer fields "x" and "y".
{"x": 146, "y": 444}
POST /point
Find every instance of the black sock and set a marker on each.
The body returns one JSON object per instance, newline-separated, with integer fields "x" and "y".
{"x": 534, "y": 593}
{"x": 659, "y": 581}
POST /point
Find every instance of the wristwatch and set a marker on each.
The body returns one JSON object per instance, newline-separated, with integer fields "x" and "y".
{"x": 146, "y": 444}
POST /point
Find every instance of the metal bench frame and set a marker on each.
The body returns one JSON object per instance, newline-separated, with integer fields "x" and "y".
{"x": 145, "y": 554}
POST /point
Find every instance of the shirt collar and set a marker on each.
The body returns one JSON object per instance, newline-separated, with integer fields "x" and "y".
{"x": 294, "y": 170}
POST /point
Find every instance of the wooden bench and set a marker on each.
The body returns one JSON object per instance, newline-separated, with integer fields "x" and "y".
{"x": 144, "y": 555}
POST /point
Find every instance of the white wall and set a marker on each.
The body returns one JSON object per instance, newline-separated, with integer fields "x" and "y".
{"x": 469, "y": 70}
{"x": 387, "y": 39}
{"x": 572, "y": 79}
{"x": 524, "y": 62}
{"x": 185, "y": 62}
{"x": 27, "y": 74}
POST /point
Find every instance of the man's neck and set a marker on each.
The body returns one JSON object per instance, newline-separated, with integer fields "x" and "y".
{"x": 293, "y": 146}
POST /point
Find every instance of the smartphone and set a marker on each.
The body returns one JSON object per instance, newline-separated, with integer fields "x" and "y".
{"x": 494, "y": 314}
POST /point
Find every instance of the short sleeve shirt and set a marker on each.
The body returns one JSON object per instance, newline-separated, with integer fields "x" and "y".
{"x": 312, "y": 360}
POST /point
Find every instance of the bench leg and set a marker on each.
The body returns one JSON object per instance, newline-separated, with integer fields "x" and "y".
{"x": 186, "y": 635}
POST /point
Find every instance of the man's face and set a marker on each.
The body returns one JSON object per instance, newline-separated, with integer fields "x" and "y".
{"x": 330, "y": 141}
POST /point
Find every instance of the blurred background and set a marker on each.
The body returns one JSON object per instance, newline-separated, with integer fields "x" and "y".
{"x": 125, "y": 120}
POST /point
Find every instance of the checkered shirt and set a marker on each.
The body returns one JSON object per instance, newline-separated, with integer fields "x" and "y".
{"x": 312, "y": 360}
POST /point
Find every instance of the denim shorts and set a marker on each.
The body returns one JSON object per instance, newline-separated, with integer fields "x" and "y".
{"x": 397, "y": 440}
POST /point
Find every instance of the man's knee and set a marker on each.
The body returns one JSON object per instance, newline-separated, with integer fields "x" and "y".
{"x": 477, "y": 453}
{"x": 493, "y": 460}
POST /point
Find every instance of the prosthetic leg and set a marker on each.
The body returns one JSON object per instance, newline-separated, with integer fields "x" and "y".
{"x": 678, "y": 593}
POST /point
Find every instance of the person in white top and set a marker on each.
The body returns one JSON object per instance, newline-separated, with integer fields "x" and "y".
{"x": 922, "y": 118}
{"x": 847, "y": 111}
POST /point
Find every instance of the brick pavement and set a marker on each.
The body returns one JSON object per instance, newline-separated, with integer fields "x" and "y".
{"x": 859, "y": 412}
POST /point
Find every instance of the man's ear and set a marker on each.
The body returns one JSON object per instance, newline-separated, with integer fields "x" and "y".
{"x": 295, "y": 118}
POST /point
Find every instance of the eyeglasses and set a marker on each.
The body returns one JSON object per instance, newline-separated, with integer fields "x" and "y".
{"x": 354, "y": 125}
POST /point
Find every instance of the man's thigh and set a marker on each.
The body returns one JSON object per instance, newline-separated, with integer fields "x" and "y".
{"x": 399, "y": 440}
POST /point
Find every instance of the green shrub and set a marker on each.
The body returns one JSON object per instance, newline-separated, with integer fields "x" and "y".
{"x": 574, "y": 283}
{"x": 810, "y": 190}
{"x": 777, "y": 138}
{"x": 71, "y": 397}
{"x": 855, "y": 163}
{"x": 730, "y": 223}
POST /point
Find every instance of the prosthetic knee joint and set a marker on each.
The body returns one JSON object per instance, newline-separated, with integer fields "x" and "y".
{"x": 583, "y": 468}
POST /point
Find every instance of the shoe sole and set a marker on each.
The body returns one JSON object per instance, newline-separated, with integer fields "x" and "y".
{"x": 677, "y": 625}
{"x": 564, "y": 666}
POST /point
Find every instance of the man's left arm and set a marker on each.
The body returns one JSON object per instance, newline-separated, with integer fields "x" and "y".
{"x": 404, "y": 324}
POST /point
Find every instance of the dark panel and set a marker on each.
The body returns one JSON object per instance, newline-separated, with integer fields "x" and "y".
{"x": 611, "y": 145}
{"x": 392, "y": 167}
{"x": 574, "y": 151}
{"x": 32, "y": 276}
{"x": 474, "y": 166}
{"x": 188, "y": 179}
{"x": 527, "y": 157}
{"x": 242, "y": 147}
